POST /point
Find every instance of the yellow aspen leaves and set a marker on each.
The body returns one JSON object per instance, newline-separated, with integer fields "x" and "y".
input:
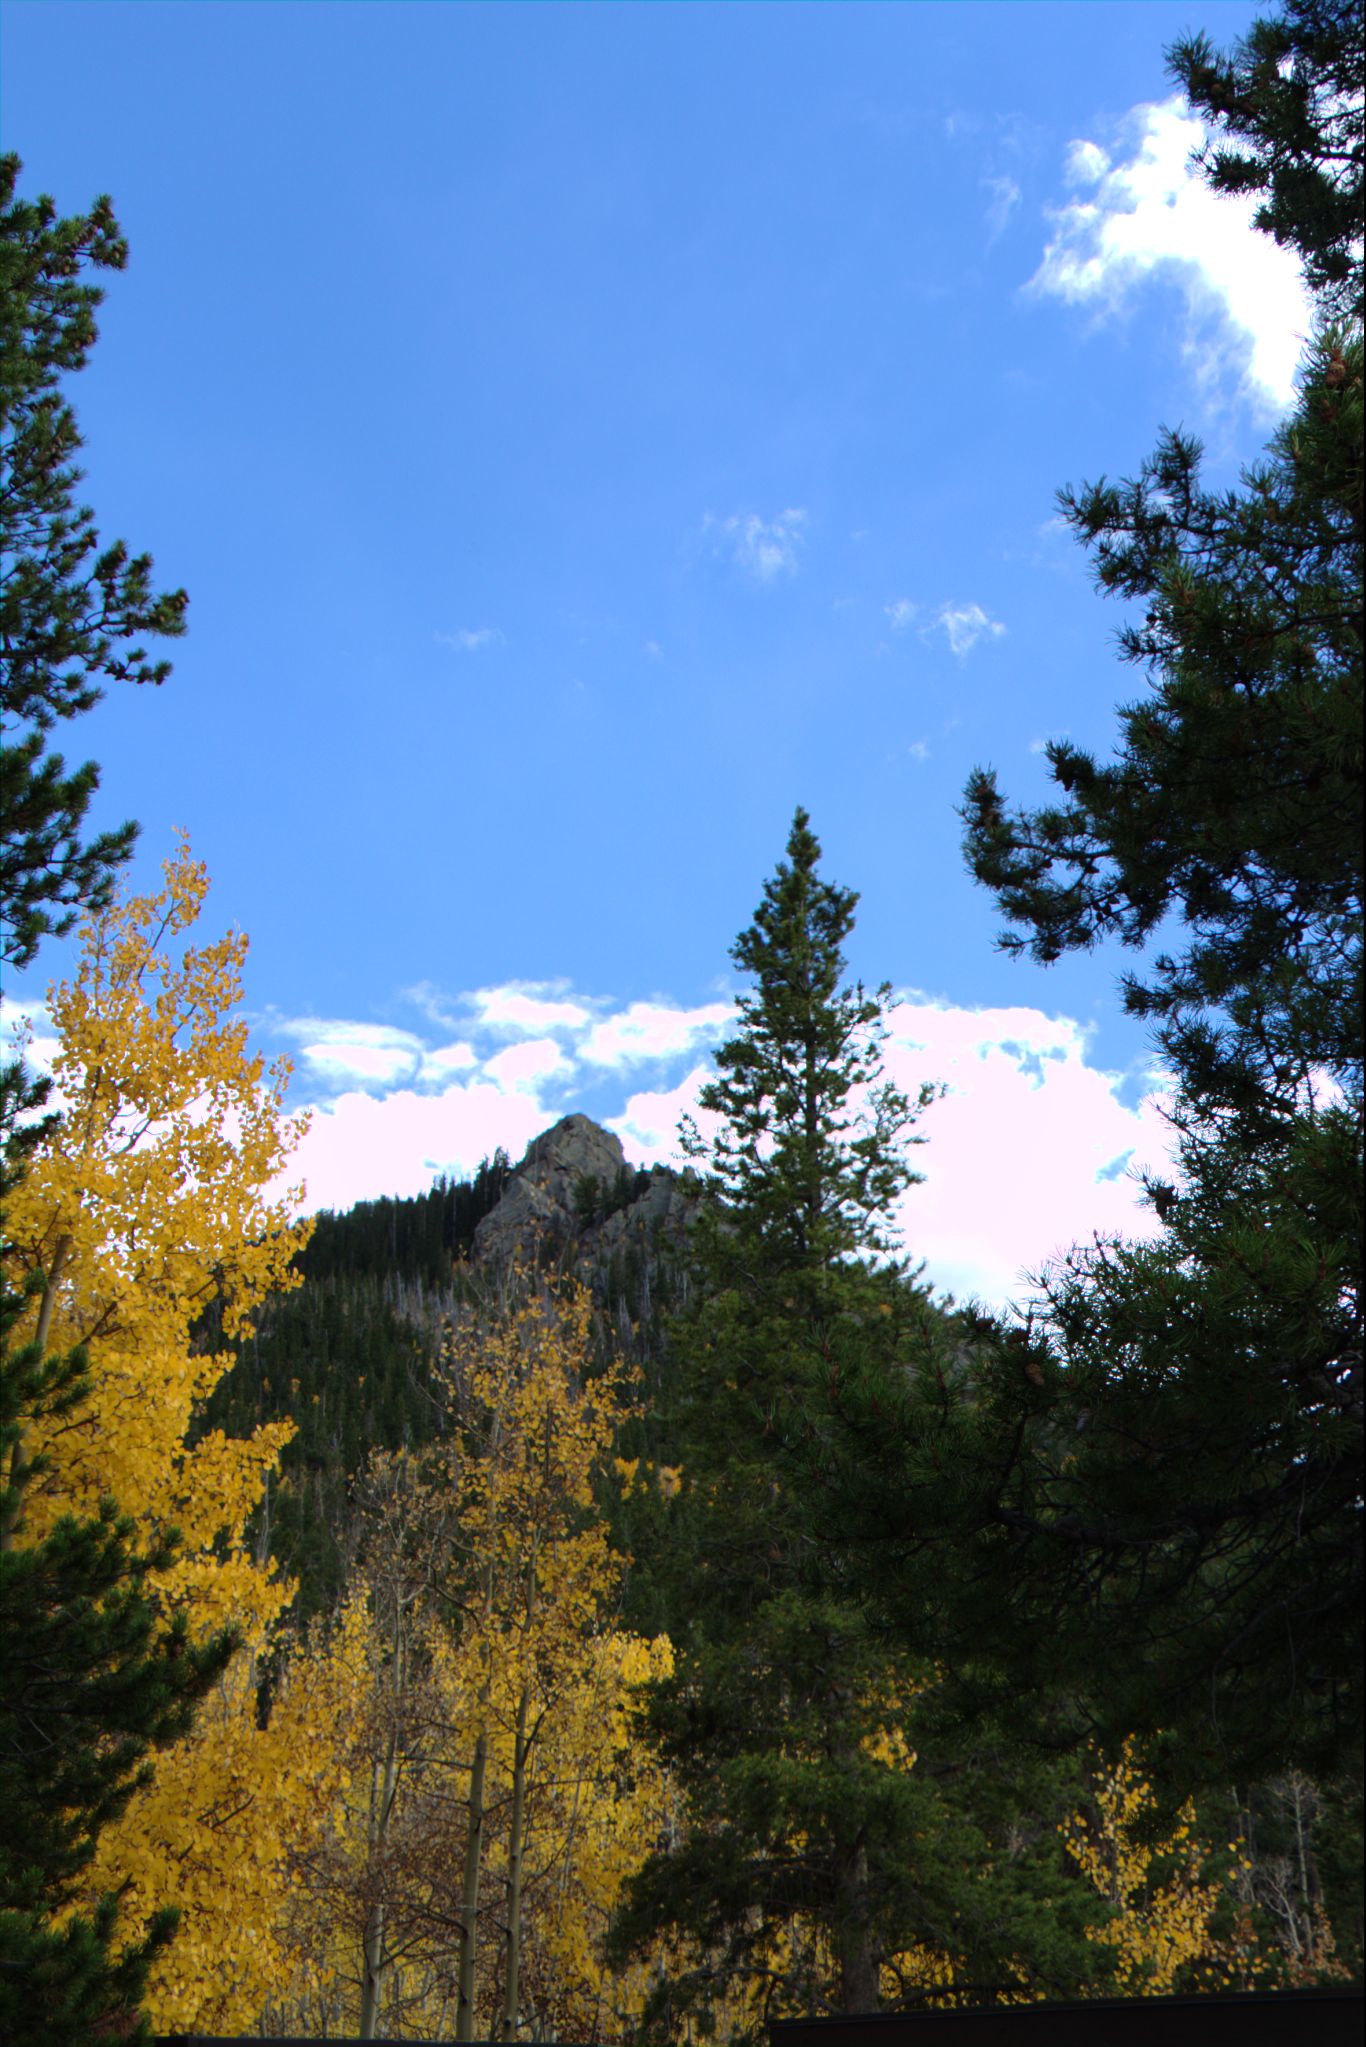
{"x": 499, "y": 1691}
{"x": 1163, "y": 1908}
{"x": 149, "y": 1203}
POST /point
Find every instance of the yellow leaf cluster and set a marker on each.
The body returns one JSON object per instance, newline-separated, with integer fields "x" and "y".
{"x": 226, "y": 1819}
{"x": 1163, "y": 1909}
{"x": 490, "y": 1590}
{"x": 148, "y": 1204}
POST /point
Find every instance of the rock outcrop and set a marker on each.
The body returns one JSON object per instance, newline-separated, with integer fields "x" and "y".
{"x": 573, "y": 1196}
{"x": 539, "y": 1201}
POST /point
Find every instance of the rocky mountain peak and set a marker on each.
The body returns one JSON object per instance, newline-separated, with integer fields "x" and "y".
{"x": 571, "y": 1148}
{"x": 573, "y": 1186}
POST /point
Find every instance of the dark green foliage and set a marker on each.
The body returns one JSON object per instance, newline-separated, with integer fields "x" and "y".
{"x": 1236, "y": 801}
{"x": 341, "y": 1358}
{"x": 89, "y": 1682}
{"x": 595, "y": 1199}
{"x": 1287, "y": 103}
{"x": 1144, "y": 1518}
{"x": 781, "y": 1691}
{"x": 416, "y": 1237}
{"x": 67, "y": 608}
{"x": 1145, "y": 1507}
{"x": 349, "y": 1356}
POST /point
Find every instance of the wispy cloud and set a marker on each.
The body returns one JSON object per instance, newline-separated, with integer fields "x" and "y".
{"x": 653, "y": 1030}
{"x": 965, "y": 624}
{"x": 472, "y": 639}
{"x": 901, "y": 611}
{"x": 654, "y": 650}
{"x": 337, "y": 1051}
{"x": 1146, "y": 211}
{"x": 518, "y": 1006}
{"x": 1004, "y": 198}
{"x": 919, "y": 749}
{"x": 524, "y": 1068}
{"x": 762, "y": 549}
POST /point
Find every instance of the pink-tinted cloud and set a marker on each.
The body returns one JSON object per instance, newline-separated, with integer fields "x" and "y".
{"x": 361, "y": 1146}
{"x": 1031, "y": 1150}
{"x": 523, "y": 1067}
{"x": 519, "y": 1006}
{"x": 648, "y": 1128}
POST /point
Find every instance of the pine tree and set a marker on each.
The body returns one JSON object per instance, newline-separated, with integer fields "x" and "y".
{"x": 1154, "y": 1504}
{"x": 1287, "y": 104}
{"x": 68, "y": 608}
{"x": 814, "y": 1850}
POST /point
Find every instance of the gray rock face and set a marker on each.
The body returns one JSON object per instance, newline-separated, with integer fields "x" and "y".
{"x": 539, "y": 1203}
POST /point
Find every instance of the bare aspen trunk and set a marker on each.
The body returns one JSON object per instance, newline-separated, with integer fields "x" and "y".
{"x": 469, "y": 1893}
{"x": 383, "y": 1790}
{"x": 372, "y": 1971}
{"x": 521, "y": 1749}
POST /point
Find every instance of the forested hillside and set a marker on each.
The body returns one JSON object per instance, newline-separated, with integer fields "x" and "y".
{"x": 351, "y": 1356}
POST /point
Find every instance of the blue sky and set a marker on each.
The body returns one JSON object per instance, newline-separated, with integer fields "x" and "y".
{"x": 586, "y": 432}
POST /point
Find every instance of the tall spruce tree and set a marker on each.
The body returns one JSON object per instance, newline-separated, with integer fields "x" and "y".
{"x": 813, "y": 1852}
{"x": 1149, "y": 1503}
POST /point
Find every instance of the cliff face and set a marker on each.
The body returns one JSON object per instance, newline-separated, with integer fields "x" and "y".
{"x": 573, "y": 1192}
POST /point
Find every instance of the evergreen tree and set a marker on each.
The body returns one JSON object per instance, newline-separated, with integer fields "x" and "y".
{"x": 1287, "y": 105}
{"x": 67, "y": 607}
{"x": 1150, "y": 1503}
{"x": 813, "y": 1852}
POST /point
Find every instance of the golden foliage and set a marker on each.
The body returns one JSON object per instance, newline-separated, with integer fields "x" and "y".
{"x": 148, "y": 1203}
{"x": 489, "y": 1588}
{"x": 1163, "y": 1906}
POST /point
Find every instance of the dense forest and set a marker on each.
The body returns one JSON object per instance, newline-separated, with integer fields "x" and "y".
{"x": 620, "y": 1606}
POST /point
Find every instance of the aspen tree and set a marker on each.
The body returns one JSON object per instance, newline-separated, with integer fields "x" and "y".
{"x": 145, "y": 1204}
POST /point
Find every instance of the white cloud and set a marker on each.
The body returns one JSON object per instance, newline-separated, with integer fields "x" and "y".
{"x": 448, "y": 1059}
{"x": 652, "y": 1030}
{"x": 1022, "y": 1154}
{"x": 648, "y": 1126}
{"x": 361, "y": 1146}
{"x": 965, "y": 625}
{"x": 919, "y": 749}
{"x": 1033, "y": 1149}
{"x": 762, "y": 549}
{"x": 1005, "y": 197}
{"x": 527, "y": 1006}
{"x": 472, "y": 639}
{"x": 27, "y": 1033}
{"x": 1151, "y": 212}
{"x": 522, "y": 1068}
{"x": 338, "y": 1051}
{"x": 901, "y": 612}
